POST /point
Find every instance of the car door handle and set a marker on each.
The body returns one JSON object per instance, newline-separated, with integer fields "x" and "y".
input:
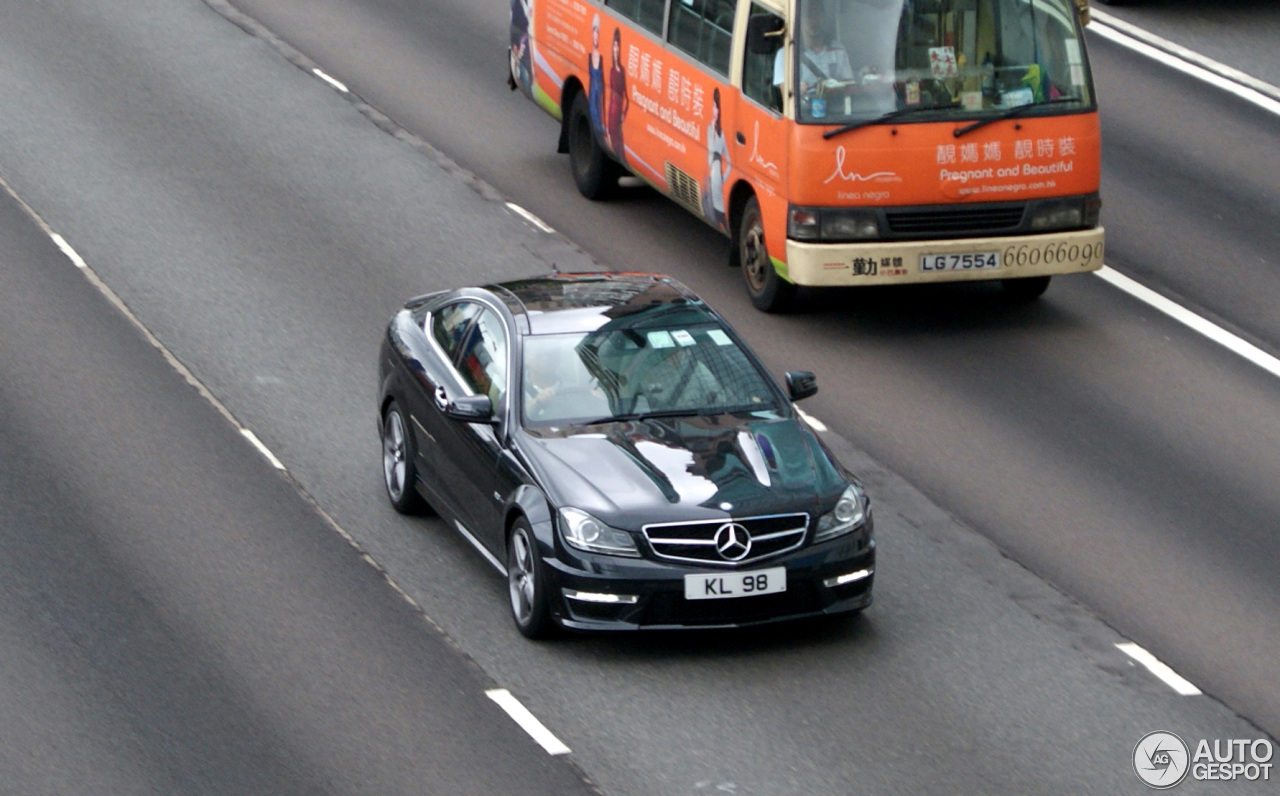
{"x": 442, "y": 398}
{"x": 742, "y": 139}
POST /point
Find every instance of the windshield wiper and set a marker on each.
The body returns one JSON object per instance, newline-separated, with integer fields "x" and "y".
{"x": 1011, "y": 113}
{"x": 891, "y": 115}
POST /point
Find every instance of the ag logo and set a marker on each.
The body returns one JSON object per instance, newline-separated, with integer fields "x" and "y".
{"x": 1160, "y": 760}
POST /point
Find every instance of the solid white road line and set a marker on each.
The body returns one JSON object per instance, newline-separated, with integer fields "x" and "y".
{"x": 1184, "y": 316}
{"x": 1214, "y": 77}
{"x": 527, "y": 721}
{"x": 1175, "y": 49}
{"x": 1169, "y": 676}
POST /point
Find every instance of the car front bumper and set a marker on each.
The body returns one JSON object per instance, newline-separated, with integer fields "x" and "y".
{"x": 610, "y": 593}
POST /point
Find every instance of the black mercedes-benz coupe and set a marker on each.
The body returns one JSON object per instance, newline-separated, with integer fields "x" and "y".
{"x": 612, "y": 444}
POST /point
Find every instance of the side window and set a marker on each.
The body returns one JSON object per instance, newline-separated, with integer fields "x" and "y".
{"x": 483, "y": 364}
{"x": 449, "y": 324}
{"x": 648, "y": 13}
{"x": 704, "y": 30}
{"x": 759, "y": 69}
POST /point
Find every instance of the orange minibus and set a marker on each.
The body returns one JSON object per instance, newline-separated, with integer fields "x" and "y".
{"x": 836, "y": 142}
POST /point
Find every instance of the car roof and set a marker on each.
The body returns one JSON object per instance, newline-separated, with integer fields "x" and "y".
{"x": 583, "y": 302}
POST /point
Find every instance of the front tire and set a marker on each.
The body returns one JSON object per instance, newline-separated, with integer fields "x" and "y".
{"x": 769, "y": 292}
{"x": 399, "y": 468}
{"x": 594, "y": 172}
{"x": 526, "y": 584}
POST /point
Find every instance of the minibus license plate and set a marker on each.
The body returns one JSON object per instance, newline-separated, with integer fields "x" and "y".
{"x": 973, "y": 261}
{"x": 721, "y": 585}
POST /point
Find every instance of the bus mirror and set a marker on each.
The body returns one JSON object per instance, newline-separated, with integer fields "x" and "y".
{"x": 764, "y": 33}
{"x": 1082, "y": 8}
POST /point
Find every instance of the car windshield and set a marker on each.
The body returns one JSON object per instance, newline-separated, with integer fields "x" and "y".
{"x": 615, "y": 374}
{"x": 858, "y": 60}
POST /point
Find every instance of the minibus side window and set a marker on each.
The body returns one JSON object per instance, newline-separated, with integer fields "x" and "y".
{"x": 757, "y": 68}
{"x": 646, "y": 12}
{"x": 703, "y": 29}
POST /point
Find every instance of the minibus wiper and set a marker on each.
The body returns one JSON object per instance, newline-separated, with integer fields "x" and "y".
{"x": 900, "y": 112}
{"x": 1012, "y": 112}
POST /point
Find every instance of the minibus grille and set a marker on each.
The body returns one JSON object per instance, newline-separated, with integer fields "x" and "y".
{"x": 684, "y": 188}
{"x": 956, "y": 220}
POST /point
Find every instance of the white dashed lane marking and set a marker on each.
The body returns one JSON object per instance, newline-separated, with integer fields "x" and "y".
{"x": 1159, "y": 669}
{"x": 527, "y": 721}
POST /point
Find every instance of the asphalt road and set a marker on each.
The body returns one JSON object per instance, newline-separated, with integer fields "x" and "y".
{"x": 175, "y": 616}
{"x": 264, "y": 228}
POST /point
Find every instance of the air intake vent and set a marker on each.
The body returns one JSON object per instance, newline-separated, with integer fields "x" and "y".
{"x": 684, "y": 189}
{"x": 956, "y": 220}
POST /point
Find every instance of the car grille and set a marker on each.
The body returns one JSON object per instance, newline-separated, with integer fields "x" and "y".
{"x": 696, "y": 541}
{"x": 945, "y": 221}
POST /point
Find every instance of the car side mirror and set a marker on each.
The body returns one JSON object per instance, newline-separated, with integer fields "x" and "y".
{"x": 764, "y": 33}
{"x": 801, "y": 384}
{"x": 470, "y": 409}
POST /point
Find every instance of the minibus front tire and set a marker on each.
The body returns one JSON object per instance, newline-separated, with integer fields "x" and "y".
{"x": 595, "y": 173}
{"x": 769, "y": 292}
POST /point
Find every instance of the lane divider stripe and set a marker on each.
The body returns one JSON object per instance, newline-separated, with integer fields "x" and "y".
{"x": 1186, "y": 54}
{"x": 340, "y": 86}
{"x": 1211, "y": 77}
{"x": 1188, "y": 318}
{"x": 1159, "y": 669}
{"x": 527, "y": 721}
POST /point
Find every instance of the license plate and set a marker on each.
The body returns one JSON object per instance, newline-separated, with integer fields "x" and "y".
{"x": 723, "y": 585}
{"x": 974, "y": 261}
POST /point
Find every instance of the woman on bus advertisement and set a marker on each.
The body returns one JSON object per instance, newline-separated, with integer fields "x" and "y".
{"x": 522, "y": 46}
{"x": 717, "y": 166}
{"x": 595, "y": 81}
{"x": 619, "y": 102}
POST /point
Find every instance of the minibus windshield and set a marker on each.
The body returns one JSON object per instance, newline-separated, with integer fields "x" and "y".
{"x": 864, "y": 60}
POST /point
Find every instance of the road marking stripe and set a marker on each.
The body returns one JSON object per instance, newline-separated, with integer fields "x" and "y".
{"x": 1161, "y": 670}
{"x": 814, "y": 423}
{"x": 1211, "y": 76}
{"x": 1175, "y": 49}
{"x": 527, "y": 721}
{"x": 71, "y": 253}
{"x": 1179, "y": 313}
{"x": 530, "y": 217}
{"x": 335, "y": 83}
{"x": 263, "y": 449}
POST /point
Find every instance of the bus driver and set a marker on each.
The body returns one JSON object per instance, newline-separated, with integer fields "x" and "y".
{"x": 822, "y": 57}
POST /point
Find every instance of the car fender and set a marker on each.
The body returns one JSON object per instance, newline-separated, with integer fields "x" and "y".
{"x": 529, "y": 501}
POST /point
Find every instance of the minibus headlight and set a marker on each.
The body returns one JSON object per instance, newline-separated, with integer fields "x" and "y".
{"x": 1059, "y": 214}
{"x": 803, "y": 223}
{"x": 832, "y": 223}
{"x": 841, "y": 224}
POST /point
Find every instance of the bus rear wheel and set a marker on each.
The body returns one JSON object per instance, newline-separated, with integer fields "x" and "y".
{"x": 595, "y": 173}
{"x": 769, "y": 292}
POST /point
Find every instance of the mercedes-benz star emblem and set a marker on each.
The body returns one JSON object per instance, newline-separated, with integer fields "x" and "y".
{"x": 733, "y": 541}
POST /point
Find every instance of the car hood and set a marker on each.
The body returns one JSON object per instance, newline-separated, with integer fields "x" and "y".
{"x": 678, "y": 469}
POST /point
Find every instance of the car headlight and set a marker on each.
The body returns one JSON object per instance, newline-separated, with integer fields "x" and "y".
{"x": 848, "y": 515}
{"x": 585, "y": 532}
